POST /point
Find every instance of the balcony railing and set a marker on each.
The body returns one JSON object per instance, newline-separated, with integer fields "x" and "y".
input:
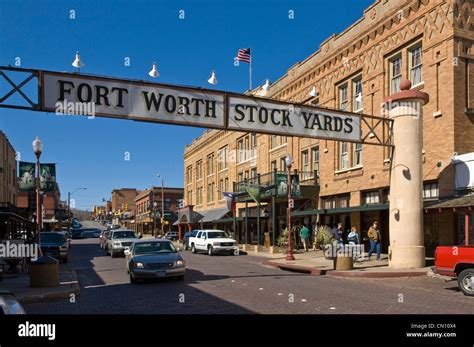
{"x": 268, "y": 180}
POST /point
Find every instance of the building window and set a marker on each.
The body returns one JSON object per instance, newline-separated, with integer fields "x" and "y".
{"x": 415, "y": 61}
{"x": 329, "y": 203}
{"x": 210, "y": 164}
{"x": 199, "y": 200}
{"x": 240, "y": 176}
{"x": 343, "y": 155}
{"x": 343, "y": 102}
{"x": 223, "y": 156}
{"x": 342, "y": 201}
{"x": 395, "y": 74}
{"x": 357, "y": 156}
{"x": 273, "y": 141}
{"x": 253, "y": 143}
{"x": 226, "y": 184}
{"x": 282, "y": 164}
{"x": 357, "y": 95}
{"x": 240, "y": 150}
{"x": 190, "y": 197}
{"x": 371, "y": 197}
{"x": 189, "y": 174}
{"x": 274, "y": 165}
{"x": 305, "y": 174}
{"x": 253, "y": 172}
{"x": 283, "y": 140}
{"x": 430, "y": 191}
{"x": 221, "y": 189}
{"x": 246, "y": 175}
{"x": 210, "y": 192}
{"x": 315, "y": 161}
{"x": 199, "y": 170}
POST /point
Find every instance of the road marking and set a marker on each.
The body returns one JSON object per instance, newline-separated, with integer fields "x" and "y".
{"x": 280, "y": 293}
{"x": 96, "y": 286}
{"x": 332, "y": 308}
{"x": 232, "y": 281}
{"x": 304, "y": 300}
{"x": 244, "y": 284}
{"x": 260, "y": 288}
{"x": 70, "y": 282}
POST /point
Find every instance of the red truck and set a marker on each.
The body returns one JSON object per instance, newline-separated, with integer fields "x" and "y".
{"x": 457, "y": 262}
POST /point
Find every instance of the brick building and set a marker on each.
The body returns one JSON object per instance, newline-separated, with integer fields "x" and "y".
{"x": 8, "y": 171}
{"x": 429, "y": 42}
{"x": 123, "y": 200}
{"x": 148, "y": 205}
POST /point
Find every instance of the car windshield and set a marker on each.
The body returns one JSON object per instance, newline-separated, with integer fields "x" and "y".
{"x": 153, "y": 247}
{"x": 124, "y": 235}
{"x": 216, "y": 234}
{"x": 53, "y": 238}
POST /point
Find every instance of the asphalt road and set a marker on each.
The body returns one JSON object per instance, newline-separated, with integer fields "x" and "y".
{"x": 240, "y": 284}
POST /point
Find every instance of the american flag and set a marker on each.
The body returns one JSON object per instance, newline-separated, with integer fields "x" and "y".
{"x": 244, "y": 55}
{"x": 229, "y": 197}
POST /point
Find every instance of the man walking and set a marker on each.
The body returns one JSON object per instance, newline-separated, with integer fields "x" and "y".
{"x": 304, "y": 233}
{"x": 375, "y": 239}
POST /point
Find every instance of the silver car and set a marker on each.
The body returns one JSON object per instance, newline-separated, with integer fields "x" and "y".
{"x": 119, "y": 240}
{"x": 154, "y": 258}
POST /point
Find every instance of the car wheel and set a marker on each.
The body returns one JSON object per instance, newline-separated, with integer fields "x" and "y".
{"x": 185, "y": 247}
{"x": 466, "y": 282}
{"x": 193, "y": 249}
{"x": 210, "y": 250}
{"x": 133, "y": 279}
{"x": 112, "y": 254}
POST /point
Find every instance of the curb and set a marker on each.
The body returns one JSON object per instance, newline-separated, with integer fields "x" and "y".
{"x": 74, "y": 288}
{"x": 343, "y": 274}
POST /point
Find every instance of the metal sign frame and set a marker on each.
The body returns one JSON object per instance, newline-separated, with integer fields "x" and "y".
{"x": 381, "y": 124}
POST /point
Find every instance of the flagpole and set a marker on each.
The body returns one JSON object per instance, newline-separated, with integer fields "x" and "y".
{"x": 250, "y": 70}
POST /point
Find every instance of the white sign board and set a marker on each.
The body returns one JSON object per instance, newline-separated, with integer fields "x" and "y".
{"x": 138, "y": 100}
{"x": 133, "y": 100}
{"x": 262, "y": 115}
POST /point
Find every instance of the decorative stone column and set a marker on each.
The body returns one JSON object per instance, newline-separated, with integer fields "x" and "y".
{"x": 406, "y": 249}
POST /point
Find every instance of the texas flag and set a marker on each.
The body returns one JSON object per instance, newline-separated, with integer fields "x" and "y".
{"x": 229, "y": 198}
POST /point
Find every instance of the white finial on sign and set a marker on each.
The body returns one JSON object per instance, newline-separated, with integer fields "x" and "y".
{"x": 212, "y": 79}
{"x": 154, "y": 72}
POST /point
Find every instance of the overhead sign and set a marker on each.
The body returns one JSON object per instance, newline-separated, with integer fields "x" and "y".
{"x": 133, "y": 100}
{"x": 262, "y": 115}
{"x": 140, "y": 100}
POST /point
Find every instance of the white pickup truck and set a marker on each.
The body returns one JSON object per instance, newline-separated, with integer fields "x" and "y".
{"x": 212, "y": 242}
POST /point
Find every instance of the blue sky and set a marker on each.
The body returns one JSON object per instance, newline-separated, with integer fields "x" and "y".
{"x": 91, "y": 153}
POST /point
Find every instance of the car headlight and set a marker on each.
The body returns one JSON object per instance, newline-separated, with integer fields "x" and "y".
{"x": 117, "y": 244}
{"x": 63, "y": 248}
{"x": 180, "y": 263}
{"x": 215, "y": 243}
{"x": 138, "y": 265}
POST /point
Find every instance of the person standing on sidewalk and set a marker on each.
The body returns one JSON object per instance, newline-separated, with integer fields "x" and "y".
{"x": 304, "y": 233}
{"x": 375, "y": 237}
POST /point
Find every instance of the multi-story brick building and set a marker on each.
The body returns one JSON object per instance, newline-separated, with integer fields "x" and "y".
{"x": 123, "y": 200}
{"x": 148, "y": 206}
{"x": 8, "y": 182}
{"x": 430, "y": 43}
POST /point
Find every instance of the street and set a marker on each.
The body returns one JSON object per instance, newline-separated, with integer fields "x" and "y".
{"x": 240, "y": 284}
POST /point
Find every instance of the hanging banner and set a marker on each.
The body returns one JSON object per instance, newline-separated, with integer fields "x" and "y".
{"x": 48, "y": 177}
{"x": 26, "y": 179}
{"x": 282, "y": 185}
{"x": 74, "y": 94}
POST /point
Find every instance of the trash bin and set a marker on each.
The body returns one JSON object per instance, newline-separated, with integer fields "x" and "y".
{"x": 44, "y": 272}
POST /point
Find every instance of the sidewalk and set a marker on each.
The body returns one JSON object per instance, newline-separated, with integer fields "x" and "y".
{"x": 20, "y": 286}
{"x": 314, "y": 263}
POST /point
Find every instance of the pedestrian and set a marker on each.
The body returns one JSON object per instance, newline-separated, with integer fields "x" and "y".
{"x": 304, "y": 233}
{"x": 339, "y": 233}
{"x": 353, "y": 237}
{"x": 375, "y": 237}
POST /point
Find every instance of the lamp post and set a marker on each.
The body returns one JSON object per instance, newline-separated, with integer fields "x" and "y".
{"x": 288, "y": 162}
{"x": 162, "y": 206}
{"x": 155, "y": 208}
{"x": 69, "y": 207}
{"x": 38, "y": 149}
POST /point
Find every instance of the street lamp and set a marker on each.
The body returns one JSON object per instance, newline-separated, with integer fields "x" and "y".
{"x": 288, "y": 162}
{"x": 162, "y": 205}
{"x": 69, "y": 207}
{"x": 155, "y": 207}
{"x": 38, "y": 149}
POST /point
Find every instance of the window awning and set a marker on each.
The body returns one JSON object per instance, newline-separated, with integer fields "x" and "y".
{"x": 214, "y": 214}
{"x": 361, "y": 208}
{"x": 457, "y": 202}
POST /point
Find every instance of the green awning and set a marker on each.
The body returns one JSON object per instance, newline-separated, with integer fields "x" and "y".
{"x": 361, "y": 208}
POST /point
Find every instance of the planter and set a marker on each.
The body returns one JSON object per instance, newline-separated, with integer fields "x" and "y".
{"x": 343, "y": 263}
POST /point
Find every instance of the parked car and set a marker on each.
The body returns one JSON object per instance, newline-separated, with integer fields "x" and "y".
{"x": 103, "y": 239}
{"x": 55, "y": 245}
{"x": 153, "y": 258}
{"x": 77, "y": 234}
{"x": 457, "y": 262}
{"x": 91, "y": 233}
{"x": 9, "y": 304}
{"x": 172, "y": 235}
{"x": 186, "y": 237}
{"x": 67, "y": 236}
{"x": 120, "y": 239}
{"x": 212, "y": 242}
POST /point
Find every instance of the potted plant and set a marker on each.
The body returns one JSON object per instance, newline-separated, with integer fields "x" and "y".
{"x": 282, "y": 241}
{"x": 324, "y": 237}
